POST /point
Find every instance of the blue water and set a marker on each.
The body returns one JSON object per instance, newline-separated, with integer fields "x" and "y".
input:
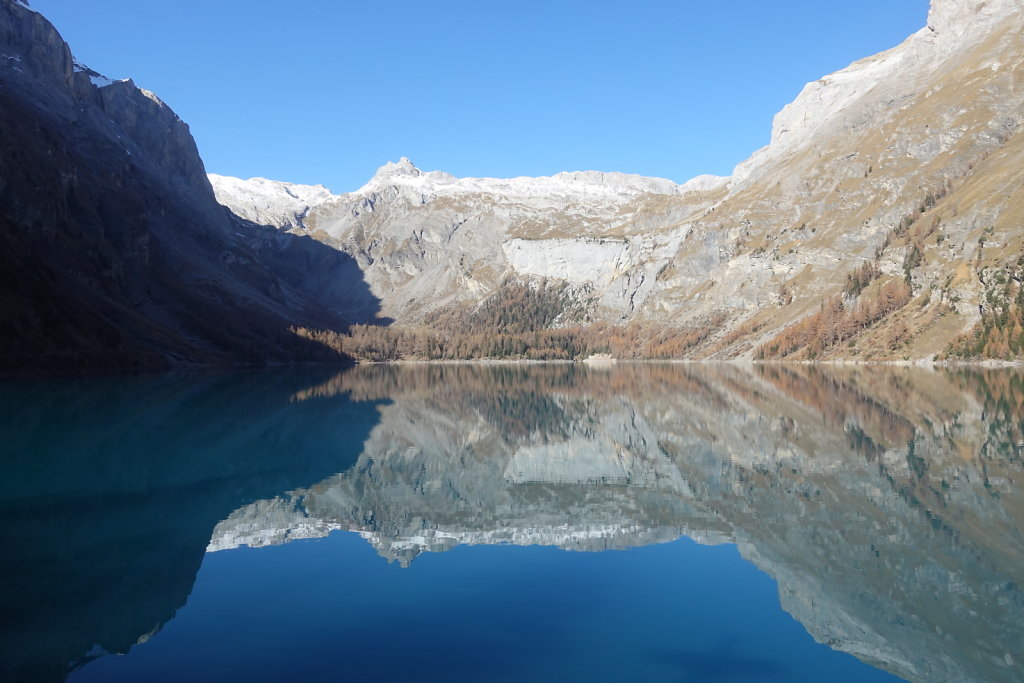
{"x": 514, "y": 523}
{"x": 332, "y": 609}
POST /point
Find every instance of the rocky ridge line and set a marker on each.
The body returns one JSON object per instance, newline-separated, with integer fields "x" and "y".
{"x": 855, "y": 154}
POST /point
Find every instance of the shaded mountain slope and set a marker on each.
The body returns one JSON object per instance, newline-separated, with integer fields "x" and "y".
{"x": 113, "y": 251}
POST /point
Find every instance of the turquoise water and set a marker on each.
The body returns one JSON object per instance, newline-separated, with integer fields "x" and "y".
{"x": 479, "y": 523}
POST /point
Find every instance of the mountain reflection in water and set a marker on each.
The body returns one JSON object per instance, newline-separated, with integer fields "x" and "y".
{"x": 886, "y": 502}
{"x": 111, "y": 487}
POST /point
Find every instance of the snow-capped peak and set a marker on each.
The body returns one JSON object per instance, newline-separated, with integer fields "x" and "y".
{"x": 571, "y": 183}
{"x": 269, "y": 202}
{"x": 285, "y": 205}
{"x": 404, "y": 167}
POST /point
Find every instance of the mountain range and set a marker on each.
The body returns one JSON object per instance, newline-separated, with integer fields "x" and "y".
{"x": 882, "y": 222}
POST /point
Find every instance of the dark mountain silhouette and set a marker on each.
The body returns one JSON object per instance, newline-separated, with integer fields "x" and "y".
{"x": 114, "y": 253}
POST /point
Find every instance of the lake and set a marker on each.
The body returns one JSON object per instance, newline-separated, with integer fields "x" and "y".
{"x": 505, "y": 522}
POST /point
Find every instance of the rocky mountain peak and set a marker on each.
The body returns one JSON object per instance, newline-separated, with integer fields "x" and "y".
{"x": 403, "y": 167}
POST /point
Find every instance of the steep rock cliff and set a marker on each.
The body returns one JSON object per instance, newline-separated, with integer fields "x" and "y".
{"x": 113, "y": 250}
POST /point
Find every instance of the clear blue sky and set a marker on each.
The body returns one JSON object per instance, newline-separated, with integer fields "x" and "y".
{"x": 325, "y": 91}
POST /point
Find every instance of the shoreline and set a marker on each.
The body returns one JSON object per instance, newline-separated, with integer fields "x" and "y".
{"x": 923, "y": 363}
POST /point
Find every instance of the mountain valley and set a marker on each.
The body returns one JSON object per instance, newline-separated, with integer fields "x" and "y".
{"x": 906, "y": 165}
{"x": 881, "y": 223}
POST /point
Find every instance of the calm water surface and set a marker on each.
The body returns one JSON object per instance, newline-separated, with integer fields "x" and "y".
{"x": 504, "y": 523}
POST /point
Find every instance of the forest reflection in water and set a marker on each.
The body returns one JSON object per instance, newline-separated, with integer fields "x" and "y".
{"x": 885, "y": 502}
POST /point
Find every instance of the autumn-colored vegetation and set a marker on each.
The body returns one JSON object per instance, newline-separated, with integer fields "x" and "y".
{"x": 535, "y": 402}
{"x": 516, "y": 307}
{"x": 1001, "y": 395}
{"x": 870, "y": 425}
{"x": 1000, "y": 332}
{"x": 860, "y": 278}
{"x": 745, "y": 330}
{"x": 837, "y": 320}
{"x": 834, "y": 323}
{"x": 551, "y": 320}
{"x": 521, "y": 321}
{"x": 634, "y": 341}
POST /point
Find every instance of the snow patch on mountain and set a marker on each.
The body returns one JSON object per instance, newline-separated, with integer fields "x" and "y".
{"x": 819, "y": 105}
{"x": 571, "y": 183}
{"x": 96, "y": 78}
{"x": 269, "y": 202}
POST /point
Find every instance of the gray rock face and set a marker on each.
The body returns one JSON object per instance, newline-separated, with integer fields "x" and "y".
{"x": 427, "y": 240}
{"x": 113, "y": 250}
{"x": 886, "y": 503}
{"x": 852, "y": 156}
{"x": 150, "y": 129}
